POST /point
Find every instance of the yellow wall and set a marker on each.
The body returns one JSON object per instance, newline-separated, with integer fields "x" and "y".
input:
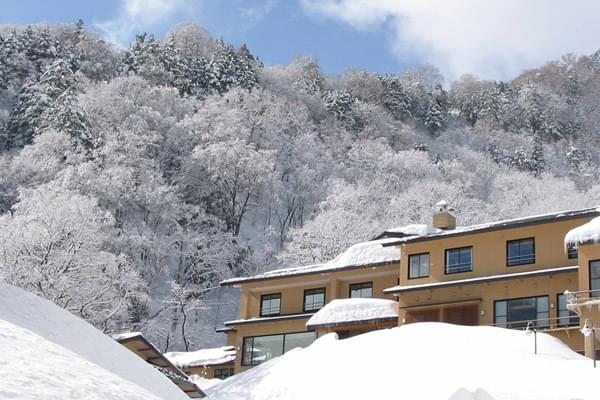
{"x": 489, "y": 251}
{"x": 587, "y": 253}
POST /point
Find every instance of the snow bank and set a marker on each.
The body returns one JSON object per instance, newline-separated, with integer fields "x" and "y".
{"x": 366, "y": 253}
{"x": 201, "y": 358}
{"x": 35, "y": 368}
{"x": 585, "y": 234}
{"x": 421, "y": 361}
{"x": 57, "y": 325}
{"x": 340, "y": 311}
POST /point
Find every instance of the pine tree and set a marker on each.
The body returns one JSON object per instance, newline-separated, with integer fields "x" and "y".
{"x": 537, "y": 163}
{"x": 245, "y": 69}
{"x": 175, "y": 65}
{"x": 221, "y": 69}
{"x": 395, "y": 98}
{"x": 433, "y": 119}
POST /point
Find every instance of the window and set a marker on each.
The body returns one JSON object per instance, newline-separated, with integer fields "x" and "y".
{"x": 595, "y": 278}
{"x": 572, "y": 251}
{"x": 314, "y": 299}
{"x": 222, "y": 373}
{"x": 520, "y": 252}
{"x": 258, "y": 349}
{"x": 364, "y": 290}
{"x": 459, "y": 260}
{"x": 418, "y": 266}
{"x": 270, "y": 304}
{"x": 566, "y": 317}
{"x": 516, "y": 313}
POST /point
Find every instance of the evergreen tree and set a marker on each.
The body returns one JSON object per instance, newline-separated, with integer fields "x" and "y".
{"x": 520, "y": 160}
{"x": 537, "y": 163}
{"x": 434, "y": 119}
{"x": 221, "y": 69}
{"x": 395, "y": 98}
{"x": 245, "y": 70}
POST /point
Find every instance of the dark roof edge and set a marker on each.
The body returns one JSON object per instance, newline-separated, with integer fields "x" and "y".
{"x": 357, "y": 322}
{"x": 502, "y": 225}
{"x": 233, "y": 281}
{"x": 268, "y": 319}
{"x": 483, "y": 279}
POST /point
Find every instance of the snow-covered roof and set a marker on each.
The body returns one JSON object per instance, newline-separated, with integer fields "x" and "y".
{"x": 202, "y": 358}
{"x": 425, "y": 232}
{"x": 126, "y": 335}
{"x": 481, "y": 279}
{"x": 585, "y": 234}
{"x": 360, "y": 255}
{"x": 78, "y": 352}
{"x": 353, "y": 311}
{"x": 421, "y": 361}
{"x": 267, "y": 319}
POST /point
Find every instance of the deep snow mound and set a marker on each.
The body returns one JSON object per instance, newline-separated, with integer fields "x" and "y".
{"x": 422, "y": 361}
{"x": 76, "y": 337}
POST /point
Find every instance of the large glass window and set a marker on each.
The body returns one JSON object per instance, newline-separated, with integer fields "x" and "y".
{"x": 223, "y": 373}
{"x": 314, "y": 299}
{"x": 516, "y": 313}
{"x": 258, "y": 349}
{"x": 270, "y": 304}
{"x": 566, "y": 317}
{"x": 418, "y": 265}
{"x": 520, "y": 252}
{"x": 459, "y": 260}
{"x": 364, "y": 290}
{"x": 572, "y": 251}
{"x": 595, "y": 278}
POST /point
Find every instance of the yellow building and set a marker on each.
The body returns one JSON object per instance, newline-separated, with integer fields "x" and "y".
{"x": 506, "y": 273}
{"x": 212, "y": 363}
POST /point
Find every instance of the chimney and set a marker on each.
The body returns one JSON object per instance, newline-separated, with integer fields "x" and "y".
{"x": 442, "y": 216}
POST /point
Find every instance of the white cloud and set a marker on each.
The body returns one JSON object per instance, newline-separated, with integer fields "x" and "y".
{"x": 135, "y": 16}
{"x": 494, "y": 39}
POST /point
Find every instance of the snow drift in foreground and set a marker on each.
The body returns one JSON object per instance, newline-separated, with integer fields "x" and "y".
{"x": 421, "y": 361}
{"x": 36, "y": 368}
{"x": 588, "y": 233}
{"x": 72, "y": 339}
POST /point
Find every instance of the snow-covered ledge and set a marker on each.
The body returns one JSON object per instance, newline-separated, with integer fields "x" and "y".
{"x": 353, "y": 311}
{"x": 588, "y": 233}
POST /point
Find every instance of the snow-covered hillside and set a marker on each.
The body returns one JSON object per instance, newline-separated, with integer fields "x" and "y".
{"x": 422, "y": 361}
{"x": 48, "y": 353}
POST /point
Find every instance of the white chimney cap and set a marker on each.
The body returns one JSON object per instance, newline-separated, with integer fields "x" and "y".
{"x": 441, "y": 203}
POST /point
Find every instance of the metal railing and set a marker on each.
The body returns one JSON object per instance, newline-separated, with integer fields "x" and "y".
{"x": 545, "y": 324}
{"x": 582, "y": 296}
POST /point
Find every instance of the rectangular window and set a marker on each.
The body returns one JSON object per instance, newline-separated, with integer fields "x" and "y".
{"x": 223, "y": 373}
{"x": 520, "y": 252}
{"x": 572, "y": 252}
{"x": 364, "y": 290}
{"x": 566, "y": 317}
{"x": 314, "y": 299}
{"x": 595, "y": 278}
{"x": 270, "y": 304}
{"x": 258, "y": 349}
{"x": 459, "y": 260}
{"x": 418, "y": 266}
{"x": 516, "y": 313}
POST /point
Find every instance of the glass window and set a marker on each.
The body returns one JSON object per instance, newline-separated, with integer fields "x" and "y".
{"x": 572, "y": 252}
{"x": 270, "y": 304}
{"x": 516, "y": 313}
{"x": 301, "y": 339}
{"x": 520, "y": 252}
{"x": 595, "y": 278}
{"x": 223, "y": 373}
{"x": 418, "y": 266}
{"x": 314, "y": 299}
{"x": 259, "y": 349}
{"x": 459, "y": 260}
{"x": 364, "y": 290}
{"x": 566, "y": 317}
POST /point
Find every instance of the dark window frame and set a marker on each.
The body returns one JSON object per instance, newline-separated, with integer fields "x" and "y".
{"x": 262, "y": 298}
{"x": 272, "y": 334}
{"x": 592, "y": 294}
{"x": 218, "y": 373}
{"x": 428, "y": 265}
{"x": 522, "y": 298}
{"x": 323, "y": 289}
{"x": 446, "y": 260}
{"x": 573, "y": 318}
{"x": 508, "y": 242}
{"x": 370, "y": 283}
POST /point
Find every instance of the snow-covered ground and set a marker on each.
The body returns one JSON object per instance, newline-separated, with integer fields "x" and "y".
{"x": 432, "y": 361}
{"x": 48, "y": 353}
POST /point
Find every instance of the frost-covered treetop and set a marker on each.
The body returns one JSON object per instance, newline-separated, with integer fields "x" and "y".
{"x": 588, "y": 233}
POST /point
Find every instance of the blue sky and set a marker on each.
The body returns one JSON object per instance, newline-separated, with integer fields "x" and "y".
{"x": 276, "y": 31}
{"x": 495, "y": 39}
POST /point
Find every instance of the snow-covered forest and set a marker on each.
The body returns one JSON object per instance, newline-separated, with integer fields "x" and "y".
{"x": 134, "y": 180}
